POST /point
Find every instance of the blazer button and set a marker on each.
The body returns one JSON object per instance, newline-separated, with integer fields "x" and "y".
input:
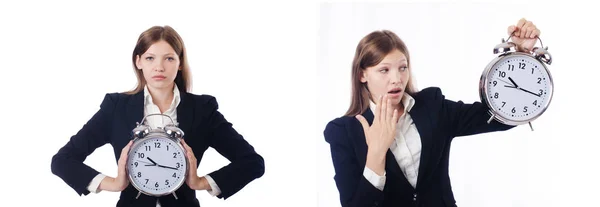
{"x": 414, "y": 196}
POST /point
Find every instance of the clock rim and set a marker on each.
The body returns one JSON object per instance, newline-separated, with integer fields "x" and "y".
{"x": 483, "y": 89}
{"x": 156, "y": 135}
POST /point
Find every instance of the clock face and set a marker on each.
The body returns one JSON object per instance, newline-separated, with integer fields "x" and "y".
{"x": 518, "y": 88}
{"x": 156, "y": 166}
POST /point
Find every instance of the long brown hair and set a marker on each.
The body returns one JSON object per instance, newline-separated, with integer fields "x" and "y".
{"x": 183, "y": 80}
{"x": 371, "y": 50}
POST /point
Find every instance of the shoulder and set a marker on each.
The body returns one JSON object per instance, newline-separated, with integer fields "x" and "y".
{"x": 339, "y": 128}
{"x": 429, "y": 94}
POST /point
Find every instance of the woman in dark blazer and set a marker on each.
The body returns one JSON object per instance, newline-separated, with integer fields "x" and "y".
{"x": 392, "y": 146}
{"x": 160, "y": 64}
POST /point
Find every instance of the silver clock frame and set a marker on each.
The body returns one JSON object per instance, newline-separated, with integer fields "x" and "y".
{"x": 142, "y": 132}
{"x": 507, "y": 51}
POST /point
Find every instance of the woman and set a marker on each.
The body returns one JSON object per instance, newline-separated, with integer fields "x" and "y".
{"x": 164, "y": 81}
{"x": 392, "y": 146}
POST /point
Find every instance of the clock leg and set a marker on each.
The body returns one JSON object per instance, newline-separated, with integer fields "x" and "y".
{"x": 490, "y": 120}
{"x": 175, "y": 196}
{"x": 530, "y": 126}
{"x": 138, "y": 195}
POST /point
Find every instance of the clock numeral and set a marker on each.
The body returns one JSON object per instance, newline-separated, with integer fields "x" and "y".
{"x": 503, "y": 103}
{"x": 141, "y": 155}
{"x": 139, "y": 174}
{"x": 513, "y": 110}
{"x": 167, "y": 147}
{"x": 146, "y": 181}
{"x": 135, "y": 163}
{"x": 522, "y": 65}
{"x": 156, "y": 145}
{"x": 541, "y": 91}
{"x": 177, "y": 165}
{"x": 496, "y": 95}
{"x": 532, "y": 70}
{"x": 174, "y": 155}
{"x": 511, "y": 67}
{"x": 525, "y": 109}
{"x": 502, "y": 74}
{"x": 156, "y": 184}
{"x": 174, "y": 175}
{"x": 495, "y": 83}
{"x": 539, "y": 80}
{"x": 147, "y": 148}
{"x": 166, "y": 182}
{"x": 535, "y": 103}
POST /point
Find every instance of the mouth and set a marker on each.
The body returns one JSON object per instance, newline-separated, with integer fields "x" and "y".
{"x": 159, "y": 77}
{"x": 395, "y": 91}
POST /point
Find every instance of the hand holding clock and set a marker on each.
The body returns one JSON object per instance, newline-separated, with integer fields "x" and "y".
{"x": 120, "y": 182}
{"x": 192, "y": 180}
{"x": 524, "y": 35}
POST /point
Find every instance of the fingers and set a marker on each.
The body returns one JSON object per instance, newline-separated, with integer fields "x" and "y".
{"x": 527, "y": 27}
{"x": 535, "y": 33}
{"x": 389, "y": 112}
{"x": 395, "y": 117}
{"x": 384, "y": 107}
{"x": 511, "y": 29}
{"x": 519, "y": 26}
{"x": 364, "y": 123}
{"x": 124, "y": 152}
{"x": 377, "y": 109}
{"x": 188, "y": 152}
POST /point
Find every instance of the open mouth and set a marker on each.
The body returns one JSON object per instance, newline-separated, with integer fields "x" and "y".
{"x": 395, "y": 91}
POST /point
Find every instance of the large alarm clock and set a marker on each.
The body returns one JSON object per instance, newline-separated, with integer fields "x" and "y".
{"x": 516, "y": 86}
{"x": 156, "y": 163}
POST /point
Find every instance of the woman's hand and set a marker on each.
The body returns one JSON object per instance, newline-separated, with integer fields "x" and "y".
{"x": 380, "y": 134}
{"x": 120, "y": 182}
{"x": 192, "y": 180}
{"x": 525, "y": 35}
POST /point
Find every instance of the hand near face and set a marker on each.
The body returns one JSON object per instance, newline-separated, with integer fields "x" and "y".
{"x": 524, "y": 35}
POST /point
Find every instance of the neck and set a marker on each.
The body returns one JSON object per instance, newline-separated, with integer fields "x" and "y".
{"x": 161, "y": 96}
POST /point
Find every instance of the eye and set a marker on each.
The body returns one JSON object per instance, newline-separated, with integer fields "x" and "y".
{"x": 403, "y": 68}
{"x": 149, "y": 58}
{"x": 384, "y": 70}
{"x": 170, "y": 59}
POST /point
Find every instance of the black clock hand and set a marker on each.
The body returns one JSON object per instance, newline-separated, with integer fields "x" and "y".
{"x": 535, "y": 94}
{"x": 151, "y": 160}
{"x": 513, "y": 82}
{"x": 509, "y": 86}
{"x": 168, "y": 167}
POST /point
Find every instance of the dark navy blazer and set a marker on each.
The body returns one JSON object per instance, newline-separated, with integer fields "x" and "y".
{"x": 204, "y": 126}
{"x": 438, "y": 121}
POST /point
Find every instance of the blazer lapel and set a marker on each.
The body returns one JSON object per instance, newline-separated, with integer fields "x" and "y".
{"x": 135, "y": 110}
{"x": 185, "y": 112}
{"x": 424, "y": 126}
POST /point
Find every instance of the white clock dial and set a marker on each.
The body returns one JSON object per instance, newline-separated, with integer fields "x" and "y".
{"x": 518, "y": 88}
{"x": 157, "y": 165}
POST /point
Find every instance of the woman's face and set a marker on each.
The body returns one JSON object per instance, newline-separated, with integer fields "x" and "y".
{"x": 159, "y": 64}
{"x": 390, "y": 77}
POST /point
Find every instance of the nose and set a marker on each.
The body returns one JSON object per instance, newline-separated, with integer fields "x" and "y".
{"x": 395, "y": 77}
{"x": 159, "y": 66}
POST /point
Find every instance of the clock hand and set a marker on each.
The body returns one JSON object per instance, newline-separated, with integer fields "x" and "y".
{"x": 507, "y": 83}
{"x": 151, "y": 160}
{"x": 510, "y": 86}
{"x": 535, "y": 94}
{"x": 513, "y": 82}
{"x": 149, "y": 164}
{"x": 168, "y": 167}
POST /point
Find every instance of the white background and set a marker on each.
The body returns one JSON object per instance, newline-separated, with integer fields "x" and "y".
{"x": 450, "y": 44}
{"x": 260, "y": 60}
{"x": 59, "y": 59}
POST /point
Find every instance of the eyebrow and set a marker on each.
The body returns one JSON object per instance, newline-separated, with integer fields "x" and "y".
{"x": 149, "y": 53}
{"x": 401, "y": 61}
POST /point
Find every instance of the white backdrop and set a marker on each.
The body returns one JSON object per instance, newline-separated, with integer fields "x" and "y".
{"x": 450, "y": 44}
{"x": 60, "y": 58}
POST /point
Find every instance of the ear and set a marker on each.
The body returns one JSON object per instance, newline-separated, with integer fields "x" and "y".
{"x": 363, "y": 77}
{"x": 138, "y": 65}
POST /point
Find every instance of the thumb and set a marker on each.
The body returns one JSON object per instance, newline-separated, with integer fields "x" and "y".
{"x": 511, "y": 29}
{"x": 363, "y": 122}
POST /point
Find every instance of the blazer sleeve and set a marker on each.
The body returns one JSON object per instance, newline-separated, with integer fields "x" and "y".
{"x": 246, "y": 165}
{"x": 68, "y": 162}
{"x": 465, "y": 119}
{"x": 353, "y": 187}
